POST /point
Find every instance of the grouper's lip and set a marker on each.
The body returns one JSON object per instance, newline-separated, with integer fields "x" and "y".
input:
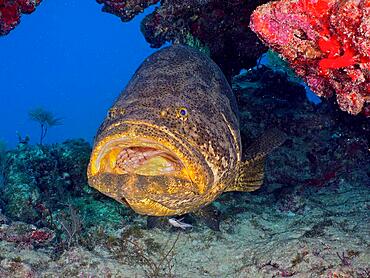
{"x": 151, "y": 204}
{"x": 144, "y": 203}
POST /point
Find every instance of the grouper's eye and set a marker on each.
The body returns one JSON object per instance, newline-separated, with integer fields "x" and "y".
{"x": 182, "y": 112}
{"x": 115, "y": 112}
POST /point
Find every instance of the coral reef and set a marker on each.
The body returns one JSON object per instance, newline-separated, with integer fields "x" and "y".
{"x": 310, "y": 219}
{"x": 326, "y": 42}
{"x": 37, "y": 177}
{"x": 11, "y": 11}
{"x": 222, "y": 26}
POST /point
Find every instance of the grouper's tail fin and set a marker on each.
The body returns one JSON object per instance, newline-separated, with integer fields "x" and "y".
{"x": 250, "y": 172}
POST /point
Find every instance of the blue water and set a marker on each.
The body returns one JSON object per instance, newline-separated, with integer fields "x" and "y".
{"x": 71, "y": 59}
{"x": 311, "y": 96}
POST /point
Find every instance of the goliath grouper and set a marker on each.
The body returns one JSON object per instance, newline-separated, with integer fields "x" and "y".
{"x": 171, "y": 143}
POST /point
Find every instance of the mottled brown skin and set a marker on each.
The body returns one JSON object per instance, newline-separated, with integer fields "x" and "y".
{"x": 205, "y": 141}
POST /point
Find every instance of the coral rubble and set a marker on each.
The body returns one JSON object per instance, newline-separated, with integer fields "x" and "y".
{"x": 327, "y": 43}
{"x": 220, "y": 25}
{"x": 11, "y": 11}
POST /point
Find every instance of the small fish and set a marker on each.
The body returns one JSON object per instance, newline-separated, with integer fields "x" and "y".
{"x": 179, "y": 224}
{"x": 170, "y": 144}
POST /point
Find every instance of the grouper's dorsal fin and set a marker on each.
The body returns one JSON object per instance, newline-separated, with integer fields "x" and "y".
{"x": 250, "y": 172}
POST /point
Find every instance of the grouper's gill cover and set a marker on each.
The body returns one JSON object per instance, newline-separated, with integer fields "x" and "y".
{"x": 171, "y": 144}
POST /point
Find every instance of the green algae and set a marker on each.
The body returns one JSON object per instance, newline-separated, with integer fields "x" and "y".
{"x": 40, "y": 179}
{"x": 194, "y": 42}
{"x": 277, "y": 63}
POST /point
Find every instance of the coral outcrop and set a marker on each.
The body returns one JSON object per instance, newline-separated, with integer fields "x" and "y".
{"x": 126, "y": 9}
{"x": 38, "y": 177}
{"x": 222, "y": 26}
{"x": 326, "y": 42}
{"x": 11, "y": 11}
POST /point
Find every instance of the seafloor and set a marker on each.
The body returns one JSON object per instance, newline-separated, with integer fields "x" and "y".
{"x": 310, "y": 219}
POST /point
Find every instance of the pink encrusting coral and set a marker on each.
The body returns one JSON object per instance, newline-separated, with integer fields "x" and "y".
{"x": 327, "y": 43}
{"x": 11, "y": 11}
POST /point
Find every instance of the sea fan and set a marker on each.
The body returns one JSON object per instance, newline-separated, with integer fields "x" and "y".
{"x": 45, "y": 118}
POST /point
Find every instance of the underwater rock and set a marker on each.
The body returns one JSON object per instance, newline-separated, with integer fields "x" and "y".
{"x": 3, "y": 218}
{"x": 324, "y": 142}
{"x": 73, "y": 157}
{"x": 11, "y": 267}
{"x": 11, "y": 11}
{"x": 20, "y": 199}
{"x": 290, "y": 200}
{"x": 93, "y": 209}
{"x": 126, "y": 9}
{"x": 39, "y": 178}
{"x": 327, "y": 43}
{"x": 221, "y": 26}
{"x": 26, "y": 234}
{"x": 158, "y": 222}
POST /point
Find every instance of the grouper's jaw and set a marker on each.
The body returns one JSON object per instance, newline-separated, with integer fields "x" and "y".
{"x": 154, "y": 176}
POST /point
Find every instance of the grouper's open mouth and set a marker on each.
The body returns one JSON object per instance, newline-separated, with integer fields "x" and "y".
{"x": 141, "y": 157}
{"x": 152, "y": 172}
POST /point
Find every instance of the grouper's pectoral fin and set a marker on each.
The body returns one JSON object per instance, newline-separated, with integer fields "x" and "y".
{"x": 250, "y": 173}
{"x": 249, "y": 176}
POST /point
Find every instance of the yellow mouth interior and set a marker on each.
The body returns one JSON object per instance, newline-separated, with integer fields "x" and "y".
{"x": 140, "y": 160}
{"x": 154, "y": 167}
{"x": 147, "y": 161}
